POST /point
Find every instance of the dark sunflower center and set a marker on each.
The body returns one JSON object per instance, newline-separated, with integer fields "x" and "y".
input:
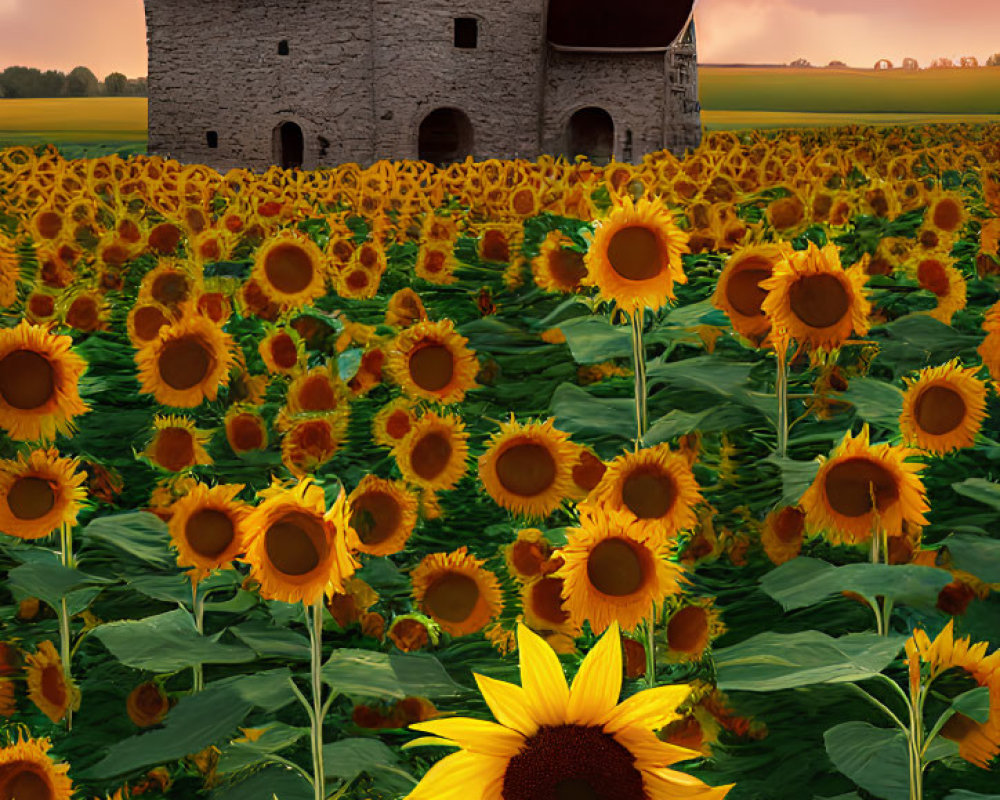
{"x": 149, "y": 700}
{"x": 31, "y": 498}
{"x": 49, "y": 224}
{"x": 54, "y": 685}
{"x": 452, "y": 597}
{"x": 185, "y": 363}
{"x": 432, "y": 367}
{"x": 649, "y": 493}
{"x": 288, "y": 268}
{"x": 526, "y": 469}
{"x": 567, "y": 267}
{"x": 246, "y": 433}
{"x": 398, "y": 424}
{"x": 209, "y": 532}
{"x": 588, "y": 471}
{"x": 851, "y": 484}
{"x": 547, "y": 601}
{"x": 148, "y": 320}
{"x": 317, "y": 394}
{"x": 82, "y": 314}
{"x": 787, "y": 212}
{"x": 634, "y": 253}
{"x": 947, "y": 215}
{"x": 295, "y": 544}
{"x": 24, "y": 784}
{"x": 376, "y": 517}
{"x": 939, "y": 410}
{"x": 523, "y": 202}
{"x": 527, "y": 557}
{"x": 687, "y": 631}
{"x": 431, "y": 455}
{"x": 283, "y": 351}
{"x": 572, "y": 762}
{"x": 788, "y": 526}
{"x": 742, "y": 290}
{"x": 932, "y": 276}
{"x": 170, "y": 288}
{"x": 819, "y": 300}
{"x": 614, "y": 568}
{"x": 174, "y": 449}
{"x": 27, "y": 380}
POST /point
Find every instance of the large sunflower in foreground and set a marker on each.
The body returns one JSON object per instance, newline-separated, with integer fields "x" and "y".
{"x": 27, "y": 771}
{"x": 432, "y": 455}
{"x": 552, "y": 741}
{"x": 48, "y": 686}
{"x": 815, "y": 299}
{"x": 943, "y": 408}
{"x": 653, "y": 487}
{"x": 526, "y": 468}
{"x": 430, "y": 361}
{"x": 738, "y": 292}
{"x": 614, "y": 570}
{"x": 208, "y": 527}
{"x": 635, "y": 257}
{"x": 839, "y": 503}
{"x": 39, "y": 493}
{"x": 383, "y": 513}
{"x": 295, "y": 550}
{"x": 290, "y": 269}
{"x": 39, "y": 378}
{"x": 186, "y": 363}
{"x": 456, "y": 592}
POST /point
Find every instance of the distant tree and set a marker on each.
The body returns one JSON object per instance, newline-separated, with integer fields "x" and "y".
{"x": 993, "y": 60}
{"x": 115, "y": 84}
{"x": 969, "y": 61}
{"x": 939, "y": 63}
{"x": 910, "y": 64}
{"x": 53, "y": 83}
{"x": 21, "y": 81}
{"x": 836, "y": 64}
{"x": 800, "y": 62}
{"x": 81, "y": 82}
{"x": 137, "y": 87}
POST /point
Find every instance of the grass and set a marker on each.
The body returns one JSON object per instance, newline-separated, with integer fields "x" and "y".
{"x": 732, "y": 98}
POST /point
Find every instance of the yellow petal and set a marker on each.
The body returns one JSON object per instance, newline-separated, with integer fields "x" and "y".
{"x": 475, "y": 735}
{"x": 542, "y": 678}
{"x": 666, "y": 784}
{"x": 459, "y": 776}
{"x": 598, "y": 682}
{"x": 508, "y": 703}
{"x": 429, "y": 741}
{"x": 652, "y": 708}
{"x": 649, "y": 751}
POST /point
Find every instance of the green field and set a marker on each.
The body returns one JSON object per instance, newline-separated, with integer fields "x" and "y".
{"x": 732, "y": 98}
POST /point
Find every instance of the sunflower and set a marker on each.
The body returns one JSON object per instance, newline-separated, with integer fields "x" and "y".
{"x": 978, "y": 742}
{"x": 615, "y": 569}
{"x": 318, "y": 390}
{"x": 356, "y": 282}
{"x": 787, "y": 215}
{"x": 290, "y": 269}
{"x": 172, "y": 283}
{"x": 405, "y": 308}
{"x": 147, "y": 704}
{"x": 815, "y": 299}
{"x": 945, "y": 212}
{"x": 738, "y": 292}
{"x": 26, "y": 771}
{"x": 282, "y": 351}
{"x": 782, "y": 533}
{"x": 839, "y": 501}
{"x": 430, "y": 361}
{"x": 456, "y": 592}
{"x": 653, "y": 487}
{"x": 383, "y": 513}
{"x": 40, "y": 493}
{"x": 186, "y": 363}
{"x": 943, "y": 408}
{"x": 311, "y": 440}
{"x": 208, "y": 527}
{"x": 393, "y": 421}
{"x": 49, "y": 687}
{"x": 433, "y": 454}
{"x": 635, "y": 257}
{"x": 586, "y": 472}
{"x": 554, "y": 741}
{"x": 84, "y": 310}
{"x": 526, "y": 554}
{"x": 690, "y": 630}
{"x": 557, "y": 268}
{"x": 39, "y": 378}
{"x": 246, "y": 431}
{"x": 436, "y": 262}
{"x": 145, "y": 321}
{"x": 295, "y": 551}
{"x": 177, "y": 445}
{"x": 545, "y": 609}
{"x": 526, "y": 468}
{"x": 947, "y": 284}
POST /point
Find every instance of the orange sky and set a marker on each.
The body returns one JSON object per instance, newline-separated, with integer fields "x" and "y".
{"x": 110, "y": 35}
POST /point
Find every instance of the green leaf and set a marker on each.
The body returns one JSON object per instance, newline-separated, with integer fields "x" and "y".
{"x": 270, "y": 641}
{"x": 804, "y": 581}
{"x": 876, "y": 759}
{"x": 980, "y": 490}
{"x": 962, "y": 794}
{"x": 915, "y": 340}
{"x": 275, "y": 738}
{"x": 974, "y": 704}
{"x": 167, "y": 643}
{"x": 138, "y": 533}
{"x": 269, "y": 690}
{"x": 979, "y": 555}
{"x": 577, "y": 411}
{"x": 362, "y": 673}
{"x": 770, "y": 661}
{"x": 678, "y": 422}
{"x": 348, "y": 758}
{"x": 796, "y": 477}
{"x": 174, "y": 588}
{"x": 422, "y": 675}
{"x": 277, "y": 781}
{"x": 594, "y": 339}
{"x": 875, "y": 401}
{"x": 702, "y": 373}
{"x": 49, "y": 581}
{"x": 348, "y": 363}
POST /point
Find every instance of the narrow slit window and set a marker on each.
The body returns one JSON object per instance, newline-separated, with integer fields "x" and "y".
{"x": 283, "y": 47}
{"x": 212, "y": 137}
{"x": 466, "y": 32}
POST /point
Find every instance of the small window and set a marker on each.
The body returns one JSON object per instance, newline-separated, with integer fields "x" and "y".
{"x": 466, "y": 32}
{"x": 212, "y": 137}
{"x": 283, "y": 47}
{"x": 627, "y": 149}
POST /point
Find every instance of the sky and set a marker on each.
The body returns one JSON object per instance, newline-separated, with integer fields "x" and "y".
{"x": 110, "y": 35}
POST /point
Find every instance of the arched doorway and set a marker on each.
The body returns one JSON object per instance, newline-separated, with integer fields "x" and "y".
{"x": 445, "y": 136}
{"x": 591, "y": 132}
{"x": 289, "y": 145}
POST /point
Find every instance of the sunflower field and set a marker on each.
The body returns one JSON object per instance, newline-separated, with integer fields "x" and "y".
{"x": 506, "y": 480}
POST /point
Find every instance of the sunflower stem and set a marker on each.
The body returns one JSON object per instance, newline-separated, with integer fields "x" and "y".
{"x": 198, "y": 607}
{"x": 781, "y": 390}
{"x": 65, "y": 642}
{"x": 316, "y": 641}
{"x": 639, "y": 369}
{"x": 917, "y": 746}
{"x": 651, "y": 650}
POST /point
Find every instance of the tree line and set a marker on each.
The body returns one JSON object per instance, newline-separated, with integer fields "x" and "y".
{"x": 79, "y": 82}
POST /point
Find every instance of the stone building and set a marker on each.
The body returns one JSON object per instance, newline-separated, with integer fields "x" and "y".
{"x": 321, "y": 82}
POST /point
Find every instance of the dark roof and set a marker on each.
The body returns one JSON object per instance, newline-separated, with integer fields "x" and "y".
{"x": 616, "y": 24}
